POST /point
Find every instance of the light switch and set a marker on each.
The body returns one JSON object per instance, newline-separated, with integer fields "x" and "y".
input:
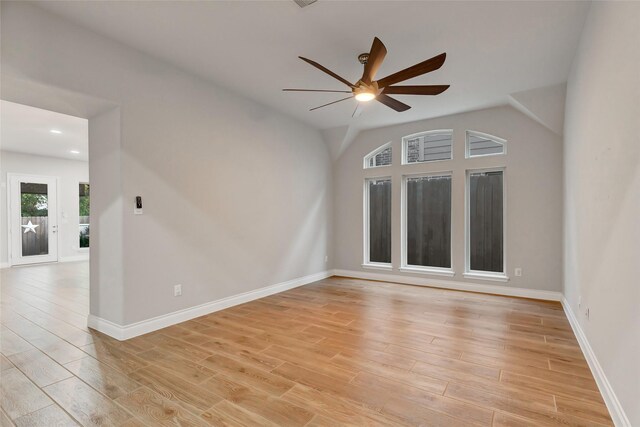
{"x": 137, "y": 210}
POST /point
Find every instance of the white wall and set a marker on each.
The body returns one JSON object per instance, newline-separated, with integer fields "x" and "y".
{"x": 71, "y": 173}
{"x": 602, "y": 187}
{"x": 236, "y": 196}
{"x": 533, "y": 194}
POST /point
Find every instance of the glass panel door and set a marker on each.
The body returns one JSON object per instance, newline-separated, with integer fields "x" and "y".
{"x": 33, "y": 219}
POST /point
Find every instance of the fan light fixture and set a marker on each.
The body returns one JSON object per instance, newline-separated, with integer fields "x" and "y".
{"x": 368, "y": 88}
{"x": 365, "y": 96}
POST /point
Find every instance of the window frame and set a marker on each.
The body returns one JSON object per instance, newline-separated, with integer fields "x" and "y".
{"x": 375, "y": 153}
{"x": 367, "y": 263}
{"x": 479, "y": 274}
{"x": 404, "y": 266}
{"x": 405, "y": 141}
{"x": 467, "y": 149}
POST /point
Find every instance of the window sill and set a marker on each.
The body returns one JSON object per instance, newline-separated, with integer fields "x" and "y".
{"x": 430, "y": 271}
{"x": 373, "y": 266}
{"x": 487, "y": 276}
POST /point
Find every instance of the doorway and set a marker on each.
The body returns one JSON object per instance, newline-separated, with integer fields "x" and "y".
{"x": 33, "y": 219}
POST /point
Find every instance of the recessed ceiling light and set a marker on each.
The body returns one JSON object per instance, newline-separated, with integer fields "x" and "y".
{"x": 56, "y": 131}
{"x": 74, "y": 152}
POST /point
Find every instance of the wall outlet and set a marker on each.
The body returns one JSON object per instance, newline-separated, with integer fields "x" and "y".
{"x": 326, "y": 259}
{"x": 518, "y": 271}
{"x": 177, "y": 290}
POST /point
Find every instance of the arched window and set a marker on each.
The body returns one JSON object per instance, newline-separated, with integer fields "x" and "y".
{"x": 381, "y": 156}
{"x": 427, "y": 146}
{"x": 483, "y": 144}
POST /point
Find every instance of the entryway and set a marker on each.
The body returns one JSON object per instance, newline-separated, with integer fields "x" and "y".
{"x": 33, "y": 219}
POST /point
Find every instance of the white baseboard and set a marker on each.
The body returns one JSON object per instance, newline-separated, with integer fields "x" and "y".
{"x": 124, "y": 332}
{"x": 450, "y": 284}
{"x": 613, "y": 404}
{"x": 74, "y": 258}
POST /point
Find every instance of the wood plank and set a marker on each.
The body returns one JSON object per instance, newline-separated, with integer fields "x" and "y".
{"x": 434, "y": 402}
{"x": 103, "y": 378}
{"x": 311, "y": 360}
{"x": 19, "y": 396}
{"x": 5, "y": 363}
{"x": 183, "y": 368}
{"x": 11, "y": 343}
{"x": 501, "y": 419}
{"x": 5, "y": 421}
{"x": 418, "y": 415}
{"x": 597, "y": 412}
{"x": 573, "y": 368}
{"x": 226, "y": 414}
{"x": 529, "y": 410}
{"x": 153, "y": 409}
{"x": 460, "y": 366}
{"x": 39, "y": 368}
{"x": 172, "y": 387}
{"x": 410, "y": 377}
{"x": 85, "y": 404}
{"x": 555, "y": 388}
{"x": 248, "y": 375}
{"x": 116, "y": 358}
{"x": 555, "y": 377}
{"x": 339, "y": 411}
{"x": 58, "y": 349}
{"x": 52, "y": 415}
{"x": 274, "y": 409}
{"x": 172, "y": 345}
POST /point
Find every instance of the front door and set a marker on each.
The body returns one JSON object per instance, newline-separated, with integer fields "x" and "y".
{"x": 33, "y": 219}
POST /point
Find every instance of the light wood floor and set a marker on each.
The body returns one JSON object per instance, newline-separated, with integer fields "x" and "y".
{"x": 337, "y": 352}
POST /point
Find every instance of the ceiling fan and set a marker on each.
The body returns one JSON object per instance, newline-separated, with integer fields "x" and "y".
{"x": 367, "y": 89}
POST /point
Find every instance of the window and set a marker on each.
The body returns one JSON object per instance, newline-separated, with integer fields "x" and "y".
{"x": 381, "y": 156}
{"x": 482, "y": 144}
{"x": 427, "y": 223}
{"x": 378, "y": 222}
{"x": 84, "y": 215}
{"x": 428, "y": 146}
{"x": 485, "y": 223}
{"x": 34, "y": 213}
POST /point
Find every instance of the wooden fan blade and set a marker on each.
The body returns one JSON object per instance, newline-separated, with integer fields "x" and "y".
{"x": 413, "y": 71}
{"x": 415, "y": 90}
{"x": 376, "y": 56}
{"x": 339, "y": 100}
{"x": 392, "y": 103}
{"x": 316, "y": 90}
{"x": 326, "y": 70}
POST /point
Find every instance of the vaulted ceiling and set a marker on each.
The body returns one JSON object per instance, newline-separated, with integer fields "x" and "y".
{"x": 494, "y": 49}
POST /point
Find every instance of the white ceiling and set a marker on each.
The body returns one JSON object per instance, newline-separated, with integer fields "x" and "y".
{"x": 493, "y": 48}
{"x": 28, "y": 130}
